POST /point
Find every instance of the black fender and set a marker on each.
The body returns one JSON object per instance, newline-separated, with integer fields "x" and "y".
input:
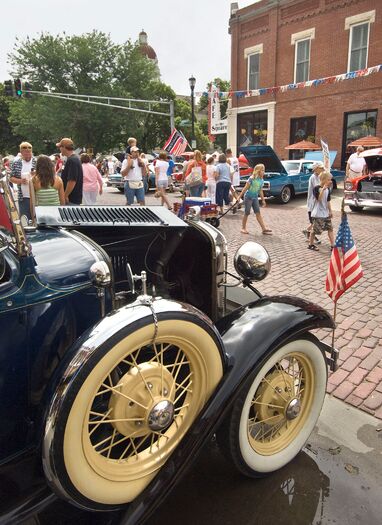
{"x": 249, "y": 334}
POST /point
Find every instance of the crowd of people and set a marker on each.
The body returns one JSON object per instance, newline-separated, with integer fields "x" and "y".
{"x": 70, "y": 179}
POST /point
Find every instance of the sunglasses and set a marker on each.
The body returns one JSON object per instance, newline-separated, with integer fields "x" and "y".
{"x": 26, "y": 147}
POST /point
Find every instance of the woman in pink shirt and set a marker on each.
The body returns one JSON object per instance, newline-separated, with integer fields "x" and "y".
{"x": 92, "y": 185}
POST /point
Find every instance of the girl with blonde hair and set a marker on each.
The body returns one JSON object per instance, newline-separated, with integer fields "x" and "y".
{"x": 251, "y": 192}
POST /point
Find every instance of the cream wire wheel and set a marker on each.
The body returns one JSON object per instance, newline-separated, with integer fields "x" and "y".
{"x": 130, "y": 409}
{"x": 277, "y": 409}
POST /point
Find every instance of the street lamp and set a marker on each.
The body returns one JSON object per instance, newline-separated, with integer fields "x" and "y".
{"x": 192, "y": 81}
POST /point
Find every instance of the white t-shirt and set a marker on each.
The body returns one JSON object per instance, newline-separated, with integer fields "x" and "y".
{"x": 110, "y": 167}
{"x": 236, "y": 171}
{"x": 26, "y": 174}
{"x": 356, "y": 163}
{"x": 314, "y": 180}
{"x": 135, "y": 173}
{"x": 210, "y": 171}
{"x": 163, "y": 167}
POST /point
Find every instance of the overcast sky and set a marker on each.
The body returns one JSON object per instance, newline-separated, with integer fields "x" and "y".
{"x": 189, "y": 37}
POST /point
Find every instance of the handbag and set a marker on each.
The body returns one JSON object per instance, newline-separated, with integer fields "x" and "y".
{"x": 135, "y": 184}
{"x": 195, "y": 177}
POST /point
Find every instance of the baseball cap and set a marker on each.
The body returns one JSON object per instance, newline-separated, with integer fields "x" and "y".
{"x": 134, "y": 148}
{"x": 66, "y": 143}
{"x": 317, "y": 164}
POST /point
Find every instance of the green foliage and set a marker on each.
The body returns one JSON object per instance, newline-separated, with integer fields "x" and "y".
{"x": 224, "y": 85}
{"x": 87, "y": 64}
{"x": 9, "y": 142}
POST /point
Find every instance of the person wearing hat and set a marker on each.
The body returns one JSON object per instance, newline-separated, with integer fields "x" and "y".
{"x": 314, "y": 180}
{"x": 72, "y": 175}
{"x": 21, "y": 174}
{"x": 133, "y": 171}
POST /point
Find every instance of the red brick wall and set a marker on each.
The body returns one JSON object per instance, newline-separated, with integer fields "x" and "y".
{"x": 273, "y": 26}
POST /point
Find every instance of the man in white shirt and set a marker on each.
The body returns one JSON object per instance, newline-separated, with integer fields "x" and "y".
{"x": 133, "y": 171}
{"x": 21, "y": 174}
{"x": 355, "y": 164}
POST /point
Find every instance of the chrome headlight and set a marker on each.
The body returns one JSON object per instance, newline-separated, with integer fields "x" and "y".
{"x": 348, "y": 186}
{"x": 252, "y": 261}
{"x": 99, "y": 274}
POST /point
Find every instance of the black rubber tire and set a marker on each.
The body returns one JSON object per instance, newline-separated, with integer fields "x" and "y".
{"x": 228, "y": 435}
{"x": 285, "y": 195}
{"x": 214, "y": 221}
{"x": 121, "y": 190}
{"x": 356, "y": 208}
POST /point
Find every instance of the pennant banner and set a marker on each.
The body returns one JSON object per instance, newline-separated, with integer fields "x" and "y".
{"x": 282, "y": 89}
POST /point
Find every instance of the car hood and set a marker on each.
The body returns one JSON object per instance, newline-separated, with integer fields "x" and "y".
{"x": 261, "y": 154}
{"x": 318, "y": 156}
{"x": 62, "y": 259}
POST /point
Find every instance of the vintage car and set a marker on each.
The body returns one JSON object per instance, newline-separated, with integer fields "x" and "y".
{"x": 283, "y": 179}
{"x": 126, "y": 344}
{"x": 366, "y": 190}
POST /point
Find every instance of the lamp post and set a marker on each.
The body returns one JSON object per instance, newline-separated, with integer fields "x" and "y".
{"x": 192, "y": 81}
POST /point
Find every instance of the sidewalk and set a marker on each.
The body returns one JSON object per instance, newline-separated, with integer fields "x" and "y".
{"x": 298, "y": 271}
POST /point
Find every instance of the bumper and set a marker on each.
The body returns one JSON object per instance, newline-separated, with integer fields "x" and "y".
{"x": 351, "y": 200}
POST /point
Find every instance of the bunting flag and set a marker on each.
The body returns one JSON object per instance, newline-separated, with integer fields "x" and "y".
{"x": 344, "y": 267}
{"x": 282, "y": 89}
{"x": 176, "y": 144}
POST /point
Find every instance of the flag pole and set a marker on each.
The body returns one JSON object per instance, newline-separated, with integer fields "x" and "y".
{"x": 335, "y": 324}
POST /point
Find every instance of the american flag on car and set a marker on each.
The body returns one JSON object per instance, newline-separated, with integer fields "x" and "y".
{"x": 176, "y": 144}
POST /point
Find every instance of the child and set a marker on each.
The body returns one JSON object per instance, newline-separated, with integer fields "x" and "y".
{"x": 252, "y": 189}
{"x": 211, "y": 180}
{"x": 322, "y": 211}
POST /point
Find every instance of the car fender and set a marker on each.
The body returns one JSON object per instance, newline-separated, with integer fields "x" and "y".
{"x": 249, "y": 334}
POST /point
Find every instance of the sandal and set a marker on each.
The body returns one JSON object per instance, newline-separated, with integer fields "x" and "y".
{"x": 313, "y": 247}
{"x": 267, "y": 232}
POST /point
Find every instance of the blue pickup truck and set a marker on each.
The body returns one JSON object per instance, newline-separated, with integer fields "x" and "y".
{"x": 285, "y": 179}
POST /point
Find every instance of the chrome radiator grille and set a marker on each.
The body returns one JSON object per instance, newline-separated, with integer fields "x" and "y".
{"x": 108, "y": 215}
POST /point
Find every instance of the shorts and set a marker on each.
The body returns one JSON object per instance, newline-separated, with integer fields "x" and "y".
{"x": 249, "y": 203}
{"x": 130, "y": 193}
{"x": 162, "y": 184}
{"x": 322, "y": 224}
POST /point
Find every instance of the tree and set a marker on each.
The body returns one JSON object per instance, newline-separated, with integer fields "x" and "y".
{"x": 9, "y": 143}
{"x": 86, "y": 64}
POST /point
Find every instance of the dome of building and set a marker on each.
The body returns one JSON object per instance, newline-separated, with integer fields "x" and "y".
{"x": 145, "y": 48}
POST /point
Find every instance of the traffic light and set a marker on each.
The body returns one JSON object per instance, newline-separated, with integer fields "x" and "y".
{"x": 18, "y": 87}
{"x": 9, "y": 88}
{"x": 27, "y": 90}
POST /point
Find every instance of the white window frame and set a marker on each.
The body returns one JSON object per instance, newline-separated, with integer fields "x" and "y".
{"x": 355, "y": 20}
{"x": 307, "y": 34}
{"x": 248, "y": 52}
{"x": 295, "y": 59}
{"x": 351, "y": 41}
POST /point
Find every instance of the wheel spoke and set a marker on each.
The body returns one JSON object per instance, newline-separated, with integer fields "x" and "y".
{"x": 268, "y": 405}
{"x": 114, "y": 389}
{"x": 260, "y": 421}
{"x": 116, "y": 420}
{"x": 142, "y": 377}
{"x": 97, "y": 423}
{"x": 273, "y": 388}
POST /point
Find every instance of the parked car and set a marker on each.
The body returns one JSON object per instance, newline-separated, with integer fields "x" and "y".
{"x": 283, "y": 179}
{"x": 366, "y": 190}
{"x": 123, "y": 349}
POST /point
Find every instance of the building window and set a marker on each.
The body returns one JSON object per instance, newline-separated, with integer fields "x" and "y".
{"x": 302, "y": 60}
{"x": 301, "y": 128}
{"x": 358, "y": 46}
{"x": 358, "y": 125}
{"x": 252, "y": 128}
{"x": 253, "y": 71}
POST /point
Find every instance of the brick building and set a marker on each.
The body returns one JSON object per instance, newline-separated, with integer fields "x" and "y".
{"x": 279, "y": 42}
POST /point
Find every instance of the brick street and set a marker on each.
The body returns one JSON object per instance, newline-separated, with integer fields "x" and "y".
{"x": 298, "y": 271}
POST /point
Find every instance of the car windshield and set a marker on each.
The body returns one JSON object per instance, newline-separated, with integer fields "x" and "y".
{"x": 291, "y": 166}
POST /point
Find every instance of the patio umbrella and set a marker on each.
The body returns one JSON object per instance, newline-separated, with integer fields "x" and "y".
{"x": 304, "y": 144}
{"x": 367, "y": 142}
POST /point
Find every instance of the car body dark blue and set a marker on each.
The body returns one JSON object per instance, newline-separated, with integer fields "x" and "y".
{"x": 122, "y": 351}
{"x": 283, "y": 179}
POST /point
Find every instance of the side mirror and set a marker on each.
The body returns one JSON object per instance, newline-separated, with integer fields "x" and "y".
{"x": 252, "y": 261}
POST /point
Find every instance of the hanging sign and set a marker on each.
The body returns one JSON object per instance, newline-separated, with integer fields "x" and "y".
{"x": 216, "y": 124}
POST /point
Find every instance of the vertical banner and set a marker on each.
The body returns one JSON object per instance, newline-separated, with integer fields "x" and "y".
{"x": 325, "y": 155}
{"x": 216, "y": 124}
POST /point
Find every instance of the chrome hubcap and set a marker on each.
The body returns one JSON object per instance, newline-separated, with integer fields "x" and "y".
{"x": 161, "y": 415}
{"x": 293, "y": 409}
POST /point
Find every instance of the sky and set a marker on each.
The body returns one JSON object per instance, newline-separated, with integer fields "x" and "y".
{"x": 190, "y": 37}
